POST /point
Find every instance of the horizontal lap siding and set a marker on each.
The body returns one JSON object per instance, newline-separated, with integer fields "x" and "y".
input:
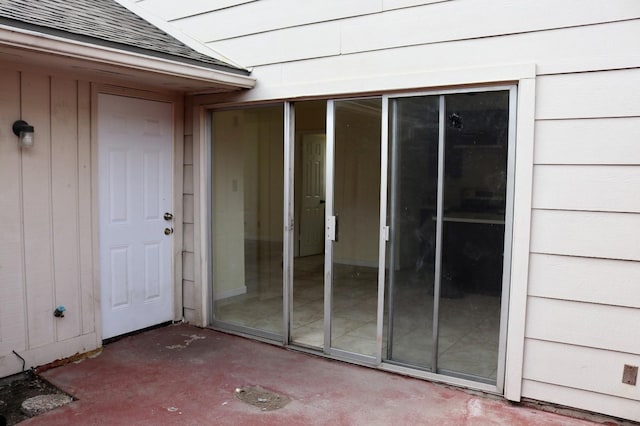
{"x": 587, "y": 187}
{"x": 169, "y": 11}
{"x": 406, "y": 27}
{"x": 459, "y": 20}
{"x": 575, "y": 49}
{"x": 587, "y": 234}
{"x": 249, "y": 18}
{"x": 580, "y": 367}
{"x": 315, "y": 70}
{"x": 289, "y": 44}
{"x": 589, "y": 95}
{"x": 397, "y": 4}
{"x": 578, "y": 398}
{"x": 583, "y": 308}
{"x": 45, "y": 256}
{"x": 585, "y": 279}
{"x": 578, "y": 323}
{"x": 585, "y": 257}
{"x": 597, "y": 141}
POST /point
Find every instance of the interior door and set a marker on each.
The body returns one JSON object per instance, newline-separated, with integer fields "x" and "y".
{"x": 135, "y": 194}
{"x": 313, "y": 194}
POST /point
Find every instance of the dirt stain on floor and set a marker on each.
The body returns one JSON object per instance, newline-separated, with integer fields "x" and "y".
{"x": 263, "y": 399}
{"x": 17, "y": 388}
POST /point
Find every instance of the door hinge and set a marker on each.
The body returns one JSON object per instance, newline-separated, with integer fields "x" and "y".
{"x": 386, "y": 233}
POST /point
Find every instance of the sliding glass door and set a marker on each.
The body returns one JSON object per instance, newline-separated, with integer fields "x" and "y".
{"x": 393, "y": 246}
{"x": 448, "y": 199}
{"x": 246, "y": 229}
{"x": 413, "y": 200}
{"x": 351, "y": 292}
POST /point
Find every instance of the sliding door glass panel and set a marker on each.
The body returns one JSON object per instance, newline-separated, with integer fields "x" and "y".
{"x": 475, "y": 181}
{"x": 356, "y": 201}
{"x": 247, "y": 229}
{"x": 307, "y": 310}
{"x": 412, "y": 214}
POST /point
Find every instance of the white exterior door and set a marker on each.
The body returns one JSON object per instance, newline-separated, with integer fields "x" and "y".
{"x": 135, "y": 191}
{"x": 313, "y": 198}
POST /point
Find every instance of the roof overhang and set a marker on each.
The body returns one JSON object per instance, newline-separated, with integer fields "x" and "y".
{"x": 30, "y": 47}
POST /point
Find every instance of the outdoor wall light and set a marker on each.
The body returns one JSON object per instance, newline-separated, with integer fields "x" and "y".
{"x": 24, "y": 131}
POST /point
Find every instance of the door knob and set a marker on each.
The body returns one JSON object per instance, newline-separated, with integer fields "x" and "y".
{"x": 168, "y": 216}
{"x": 168, "y": 231}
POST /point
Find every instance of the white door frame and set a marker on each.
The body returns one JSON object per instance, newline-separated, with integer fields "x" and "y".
{"x": 177, "y": 102}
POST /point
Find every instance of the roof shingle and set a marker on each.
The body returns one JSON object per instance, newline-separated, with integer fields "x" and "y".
{"x": 106, "y": 23}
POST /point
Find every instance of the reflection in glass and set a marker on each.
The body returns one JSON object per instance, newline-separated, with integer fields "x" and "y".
{"x": 307, "y": 313}
{"x": 247, "y": 229}
{"x": 411, "y": 251}
{"x": 357, "y": 207}
{"x": 475, "y": 181}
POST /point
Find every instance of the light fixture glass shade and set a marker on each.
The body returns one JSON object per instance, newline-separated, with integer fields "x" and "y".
{"x": 26, "y": 139}
{"x": 25, "y": 133}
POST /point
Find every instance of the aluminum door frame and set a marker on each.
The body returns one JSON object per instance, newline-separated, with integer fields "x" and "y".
{"x": 330, "y": 236}
{"x": 508, "y": 235}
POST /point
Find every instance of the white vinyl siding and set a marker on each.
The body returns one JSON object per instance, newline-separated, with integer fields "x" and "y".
{"x": 583, "y": 279}
{"x": 587, "y": 188}
{"x": 168, "y": 10}
{"x": 585, "y": 257}
{"x": 581, "y": 367}
{"x": 580, "y": 141}
{"x": 583, "y": 304}
{"x": 251, "y": 31}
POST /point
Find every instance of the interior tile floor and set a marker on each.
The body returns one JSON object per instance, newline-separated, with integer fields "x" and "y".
{"x": 468, "y": 325}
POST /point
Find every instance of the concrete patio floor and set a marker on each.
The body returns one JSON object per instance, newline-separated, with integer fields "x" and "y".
{"x": 184, "y": 375}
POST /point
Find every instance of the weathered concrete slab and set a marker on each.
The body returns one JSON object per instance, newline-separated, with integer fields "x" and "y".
{"x": 40, "y": 404}
{"x": 170, "y": 376}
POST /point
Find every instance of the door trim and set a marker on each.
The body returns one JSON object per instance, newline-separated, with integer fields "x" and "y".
{"x": 523, "y": 76}
{"x": 508, "y": 240}
{"x": 288, "y": 249}
{"x": 177, "y": 103}
{"x": 329, "y": 210}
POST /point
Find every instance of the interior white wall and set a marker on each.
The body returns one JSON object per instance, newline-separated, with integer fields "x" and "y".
{"x": 357, "y": 187}
{"x": 228, "y": 209}
{"x": 247, "y": 175}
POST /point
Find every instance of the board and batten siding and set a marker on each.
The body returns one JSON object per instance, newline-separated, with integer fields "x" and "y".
{"x": 46, "y": 255}
{"x": 583, "y": 290}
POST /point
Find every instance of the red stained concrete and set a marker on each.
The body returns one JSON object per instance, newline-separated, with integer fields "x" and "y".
{"x": 183, "y": 375}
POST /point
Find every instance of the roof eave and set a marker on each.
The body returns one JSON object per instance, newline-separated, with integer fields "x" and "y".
{"x": 46, "y": 43}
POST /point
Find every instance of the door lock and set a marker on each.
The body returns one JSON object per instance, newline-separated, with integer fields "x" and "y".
{"x": 168, "y": 231}
{"x": 168, "y": 216}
